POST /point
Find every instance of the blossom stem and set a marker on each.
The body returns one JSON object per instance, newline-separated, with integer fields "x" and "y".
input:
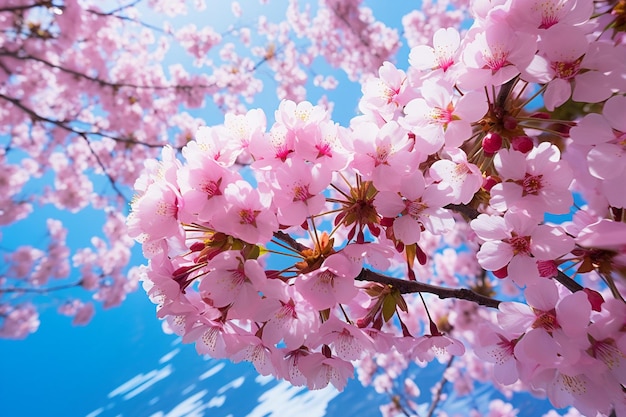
{"x": 611, "y": 284}
{"x": 291, "y": 255}
{"x": 531, "y": 98}
{"x": 340, "y": 192}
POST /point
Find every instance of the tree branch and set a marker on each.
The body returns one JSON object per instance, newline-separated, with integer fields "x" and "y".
{"x": 568, "y": 282}
{"x": 440, "y": 387}
{"x": 24, "y": 7}
{"x": 469, "y": 212}
{"x": 35, "y": 116}
{"x": 42, "y": 290}
{"x": 410, "y": 287}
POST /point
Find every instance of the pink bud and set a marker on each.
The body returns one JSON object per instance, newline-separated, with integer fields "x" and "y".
{"x": 522, "y": 143}
{"x": 492, "y": 142}
{"x": 502, "y": 272}
{"x": 434, "y": 331}
{"x": 595, "y": 299}
{"x": 509, "y": 122}
{"x": 541, "y": 115}
{"x": 489, "y": 182}
{"x": 547, "y": 269}
{"x": 197, "y": 246}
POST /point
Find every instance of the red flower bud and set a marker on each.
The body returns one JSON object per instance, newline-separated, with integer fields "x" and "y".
{"x": 595, "y": 298}
{"x": 492, "y": 142}
{"x": 489, "y": 182}
{"x": 502, "y": 272}
{"x": 522, "y": 144}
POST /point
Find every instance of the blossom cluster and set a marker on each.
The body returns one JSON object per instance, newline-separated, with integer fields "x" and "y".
{"x": 266, "y": 245}
{"x": 88, "y": 91}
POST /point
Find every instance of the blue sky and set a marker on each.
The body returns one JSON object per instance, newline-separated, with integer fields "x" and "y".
{"x": 123, "y": 364}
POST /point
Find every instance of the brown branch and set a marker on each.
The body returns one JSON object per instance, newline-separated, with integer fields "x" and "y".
{"x": 35, "y": 116}
{"x": 42, "y": 290}
{"x": 568, "y": 282}
{"x": 25, "y": 7}
{"x": 103, "y": 168}
{"x": 469, "y": 212}
{"x": 293, "y": 243}
{"x": 411, "y": 287}
{"x": 102, "y": 82}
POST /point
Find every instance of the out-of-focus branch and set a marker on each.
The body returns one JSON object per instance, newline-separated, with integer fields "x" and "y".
{"x": 38, "y": 290}
{"x": 67, "y": 128}
{"x": 440, "y": 387}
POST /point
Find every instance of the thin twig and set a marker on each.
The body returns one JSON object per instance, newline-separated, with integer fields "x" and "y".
{"x": 440, "y": 388}
{"x": 42, "y": 290}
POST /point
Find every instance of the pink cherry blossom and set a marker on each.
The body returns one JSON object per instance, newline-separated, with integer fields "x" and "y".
{"x": 442, "y": 55}
{"x": 298, "y": 191}
{"x": 233, "y": 282}
{"x": 320, "y": 370}
{"x": 463, "y": 178}
{"x": 605, "y": 133}
{"x": 291, "y": 321}
{"x": 516, "y": 241}
{"x": 441, "y": 118}
{"x": 253, "y": 222}
{"x": 496, "y": 54}
{"x": 331, "y": 284}
{"x": 416, "y": 207}
{"x": 386, "y": 94}
{"x": 533, "y": 15}
{"x": 383, "y": 155}
{"x": 347, "y": 341}
{"x": 430, "y": 346}
{"x": 536, "y": 182}
{"x": 568, "y": 59}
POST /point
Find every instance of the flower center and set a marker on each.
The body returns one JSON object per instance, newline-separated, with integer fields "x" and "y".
{"x": 414, "y": 208}
{"x": 443, "y": 116}
{"x": 520, "y": 244}
{"x": 382, "y": 153}
{"x": 211, "y": 188}
{"x": 566, "y": 70}
{"x": 327, "y": 277}
{"x": 496, "y": 58}
{"x": 301, "y": 193}
{"x": 573, "y": 384}
{"x": 550, "y": 12}
{"x": 531, "y": 184}
{"x": 248, "y": 216}
{"x": 546, "y": 320}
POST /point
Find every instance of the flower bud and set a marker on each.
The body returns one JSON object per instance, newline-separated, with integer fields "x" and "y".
{"x": 523, "y": 144}
{"x": 595, "y": 299}
{"x": 502, "y": 272}
{"x": 492, "y": 142}
{"x": 489, "y": 182}
{"x": 509, "y": 122}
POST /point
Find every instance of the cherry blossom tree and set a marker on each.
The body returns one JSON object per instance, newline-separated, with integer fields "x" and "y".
{"x": 89, "y": 90}
{"x": 472, "y": 212}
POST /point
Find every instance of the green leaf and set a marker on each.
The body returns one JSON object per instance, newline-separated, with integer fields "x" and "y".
{"x": 399, "y": 300}
{"x": 389, "y": 307}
